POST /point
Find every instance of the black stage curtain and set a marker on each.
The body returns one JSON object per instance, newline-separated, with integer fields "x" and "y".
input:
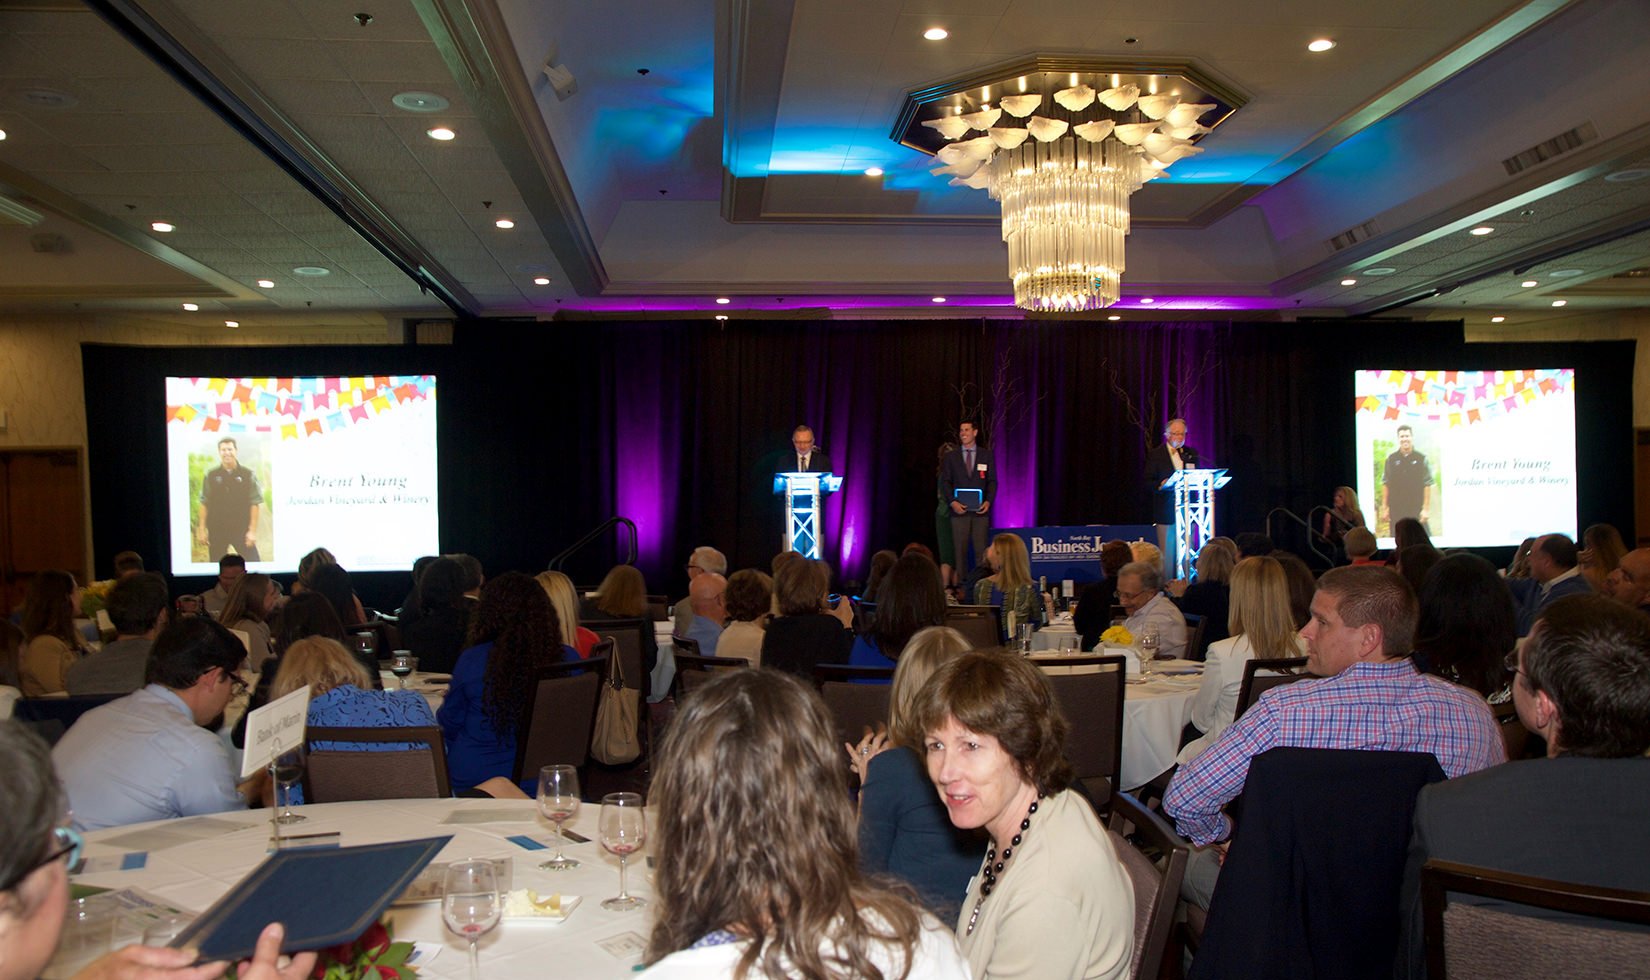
{"x": 548, "y": 429}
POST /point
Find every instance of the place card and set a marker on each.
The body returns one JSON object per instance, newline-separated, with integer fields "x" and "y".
{"x": 624, "y": 945}
{"x": 492, "y": 815}
{"x": 274, "y": 728}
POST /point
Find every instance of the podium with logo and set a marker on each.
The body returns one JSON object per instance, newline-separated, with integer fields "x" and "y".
{"x": 804, "y": 496}
{"x": 1194, "y": 513}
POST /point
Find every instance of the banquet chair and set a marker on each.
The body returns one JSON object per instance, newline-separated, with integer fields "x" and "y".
{"x": 1156, "y": 880}
{"x": 628, "y": 642}
{"x": 562, "y": 719}
{"x": 51, "y": 717}
{"x": 1092, "y": 702}
{"x": 981, "y": 626}
{"x": 857, "y": 696}
{"x": 692, "y": 670}
{"x": 339, "y": 775}
{"x": 1197, "y": 627}
{"x": 1470, "y": 940}
{"x": 658, "y": 608}
{"x": 1260, "y": 676}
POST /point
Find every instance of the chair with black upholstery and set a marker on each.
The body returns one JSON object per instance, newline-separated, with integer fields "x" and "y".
{"x": 658, "y": 608}
{"x": 630, "y": 646}
{"x": 1580, "y": 930}
{"x": 1155, "y": 858}
{"x": 693, "y": 670}
{"x": 1197, "y": 627}
{"x": 51, "y": 717}
{"x": 981, "y": 626}
{"x": 336, "y": 775}
{"x": 1260, "y": 676}
{"x": 1091, "y": 698}
{"x": 562, "y": 718}
{"x": 857, "y": 696}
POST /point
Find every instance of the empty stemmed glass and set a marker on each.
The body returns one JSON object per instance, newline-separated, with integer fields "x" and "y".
{"x": 623, "y": 830}
{"x": 289, "y": 768}
{"x": 558, "y": 801}
{"x": 470, "y": 904}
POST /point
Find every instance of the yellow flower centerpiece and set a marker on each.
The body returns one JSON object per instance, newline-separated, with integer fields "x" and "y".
{"x": 1117, "y": 636}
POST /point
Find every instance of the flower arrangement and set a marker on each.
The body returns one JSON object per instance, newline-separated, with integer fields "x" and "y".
{"x": 1117, "y": 635}
{"x": 372, "y": 956}
{"x": 94, "y": 596}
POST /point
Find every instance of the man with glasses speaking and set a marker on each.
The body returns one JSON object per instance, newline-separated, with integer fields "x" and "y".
{"x": 146, "y": 756}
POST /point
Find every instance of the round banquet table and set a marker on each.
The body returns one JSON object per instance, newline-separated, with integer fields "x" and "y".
{"x": 1156, "y": 708}
{"x": 196, "y": 874}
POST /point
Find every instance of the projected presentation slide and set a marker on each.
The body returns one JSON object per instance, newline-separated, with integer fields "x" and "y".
{"x": 1482, "y": 458}
{"x": 273, "y": 468}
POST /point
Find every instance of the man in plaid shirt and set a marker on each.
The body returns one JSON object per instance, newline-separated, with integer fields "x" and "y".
{"x": 1367, "y": 695}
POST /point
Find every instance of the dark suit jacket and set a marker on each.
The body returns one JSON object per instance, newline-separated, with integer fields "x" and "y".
{"x": 818, "y": 462}
{"x": 1529, "y": 600}
{"x": 1573, "y": 819}
{"x": 954, "y": 475}
{"x": 1159, "y": 465}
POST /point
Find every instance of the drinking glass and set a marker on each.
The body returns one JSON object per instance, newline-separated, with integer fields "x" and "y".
{"x": 402, "y": 664}
{"x": 289, "y": 768}
{"x": 623, "y": 830}
{"x": 1025, "y": 639}
{"x": 558, "y": 801}
{"x": 470, "y": 904}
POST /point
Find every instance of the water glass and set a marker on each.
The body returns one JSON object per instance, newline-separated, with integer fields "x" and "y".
{"x": 470, "y": 904}
{"x": 88, "y": 932}
{"x": 623, "y": 831}
{"x": 559, "y": 801}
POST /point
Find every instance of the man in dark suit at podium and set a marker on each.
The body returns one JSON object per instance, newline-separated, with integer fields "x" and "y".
{"x": 969, "y": 468}
{"x": 1162, "y": 462}
{"x": 808, "y": 458}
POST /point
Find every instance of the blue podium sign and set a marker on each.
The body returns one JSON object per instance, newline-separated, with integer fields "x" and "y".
{"x": 1061, "y": 553}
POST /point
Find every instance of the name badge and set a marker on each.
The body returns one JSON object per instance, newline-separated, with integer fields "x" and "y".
{"x": 979, "y": 468}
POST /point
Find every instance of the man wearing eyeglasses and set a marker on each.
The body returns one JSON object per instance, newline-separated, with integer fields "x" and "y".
{"x": 705, "y": 560}
{"x": 146, "y": 756}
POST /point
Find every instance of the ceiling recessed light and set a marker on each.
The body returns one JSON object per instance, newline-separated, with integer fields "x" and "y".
{"x": 1321, "y": 44}
{"x": 311, "y": 270}
{"x": 1147, "y": 299}
{"x": 1498, "y": 319}
{"x": 232, "y": 323}
{"x": 1114, "y": 316}
{"x": 1629, "y": 175}
{"x": 936, "y": 34}
{"x": 505, "y": 223}
{"x": 541, "y": 280}
{"x": 2, "y": 134}
{"x": 1482, "y": 230}
{"x": 1564, "y": 273}
{"x": 722, "y": 301}
{"x": 266, "y": 284}
{"x": 1349, "y": 282}
{"x": 1529, "y": 284}
{"x": 1380, "y": 270}
{"x": 190, "y": 307}
{"x": 441, "y": 133}
{"x": 419, "y": 101}
{"x": 938, "y": 299}
{"x": 721, "y": 316}
{"x": 162, "y": 226}
{"x": 873, "y": 171}
{"x": 1561, "y": 302}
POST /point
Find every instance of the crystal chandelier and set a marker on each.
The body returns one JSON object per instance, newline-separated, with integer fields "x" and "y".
{"x": 1064, "y": 178}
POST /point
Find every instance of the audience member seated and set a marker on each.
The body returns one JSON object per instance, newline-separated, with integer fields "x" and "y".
{"x": 560, "y": 590}
{"x": 250, "y": 604}
{"x": 1359, "y": 544}
{"x": 704, "y": 560}
{"x": 911, "y": 598}
{"x": 230, "y": 569}
{"x": 304, "y": 615}
{"x": 1262, "y": 628}
{"x": 1344, "y": 515}
{"x": 807, "y": 630}
{"x": 1210, "y": 596}
{"x": 341, "y": 695}
{"x": 1467, "y": 626}
{"x": 52, "y": 641}
{"x": 127, "y": 563}
{"x": 1253, "y": 544}
{"x": 332, "y": 581}
{"x": 36, "y": 848}
{"x": 783, "y": 896}
{"x": 623, "y": 595}
{"x": 138, "y": 606}
{"x": 1302, "y": 585}
{"x": 903, "y": 827}
{"x": 1601, "y": 551}
{"x": 708, "y": 595}
{"x": 1629, "y": 584}
{"x": 311, "y": 579}
{"x": 1519, "y": 567}
{"x": 514, "y": 633}
{"x": 1553, "y": 575}
{"x": 1414, "y": 562}
{"x": 749, "y": 598}
{"x": 1094, "y": 605}
{"x": 1582, "y": 682}
{"x": 881, "y": 564}
{"x": 438, "y": 635}
{"x": 1368, "y": 696}
{"x": 1407, "y": 533}
{"x": 1051, "y": 898}
{"x": 411, "y": 607}
{"x": 1010, "y": 585}
{"x": 1140, "y": 591}
{"x": 474, "y": 576}
{"x": 147, "y": 756}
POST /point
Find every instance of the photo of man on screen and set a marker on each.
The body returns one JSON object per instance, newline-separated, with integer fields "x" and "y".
{"x": 229, "y": 506}
{"x": 1406, "y": 483}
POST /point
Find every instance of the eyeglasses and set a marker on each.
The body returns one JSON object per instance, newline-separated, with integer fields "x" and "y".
{"x": 67, "y": 841}
{"x": 237, "y": 686}
{"x": 1511, "y": 663}
{"x": 1131, "y": 596}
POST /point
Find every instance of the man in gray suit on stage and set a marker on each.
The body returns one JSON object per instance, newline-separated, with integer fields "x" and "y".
{"x": 968, "y": 479}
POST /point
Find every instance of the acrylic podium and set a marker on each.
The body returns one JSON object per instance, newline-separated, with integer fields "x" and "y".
{"x": 1194, "y": 513}
{"x": 804, "y": 496}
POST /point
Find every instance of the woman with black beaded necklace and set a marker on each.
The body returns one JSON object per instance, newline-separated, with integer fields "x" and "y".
{"x": 1051, "y": 900}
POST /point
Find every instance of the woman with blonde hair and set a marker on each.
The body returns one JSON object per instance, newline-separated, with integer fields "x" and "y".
{"x": 1262, "y": 625}
{"x": 560, "y": 590}
{"x": 1344, "y": 514}
{"x": 903, "y": 829}
{"x": 1011, "y": 584}
{"x": 757, "y": 872}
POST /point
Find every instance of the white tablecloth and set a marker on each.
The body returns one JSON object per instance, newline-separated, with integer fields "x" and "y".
{"x": 196, "y": 874}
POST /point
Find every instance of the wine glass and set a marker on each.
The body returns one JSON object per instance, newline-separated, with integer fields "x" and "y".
{"x": 623, "y": 830}
{"x": 289, "y": 768}
{"x": 402, "y": 664}
{"x": 470, "y": 904}
{"x": 558, "y": 801}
